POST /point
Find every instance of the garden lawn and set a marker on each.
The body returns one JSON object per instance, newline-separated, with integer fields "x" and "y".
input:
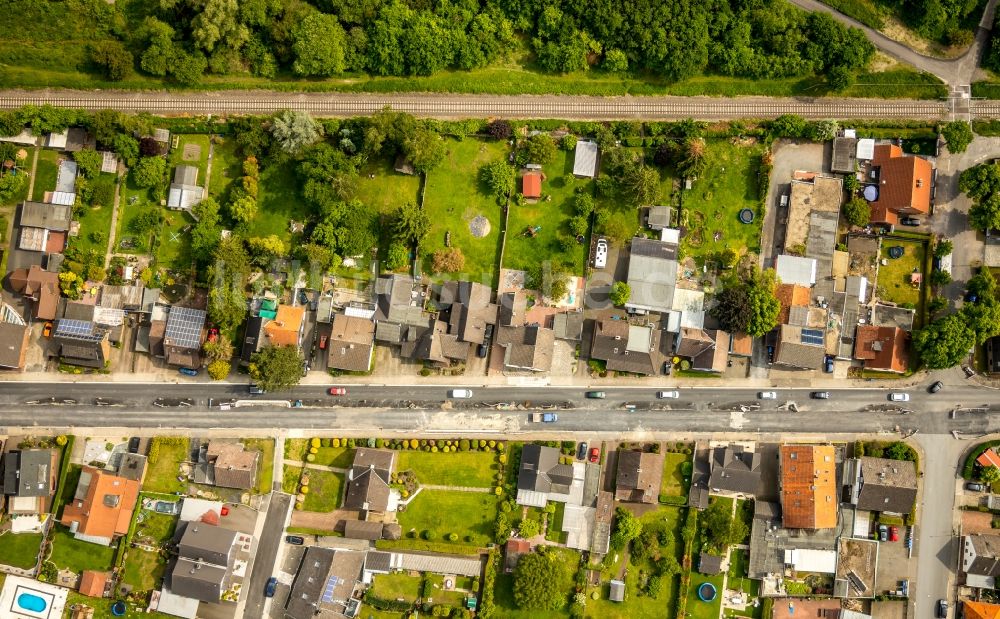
{"x": 174, "y": 245}
{"x": 226, "y": 168}
{"x": 20, "y": 550}
{"x": 711, "y": 208}
{"x": 131, "y": 204}
{"x": 68, "y": 489}
{"x": 163, "y": 468}
{"x": 76, "y": 555}
{"x": 278, "y": 202}
{"x": 388, "y": 190}
{"x": 325, "y": 490}
{"x": 696, "y": 609}
{"x": 454, "y": 196}
{"x": 441, "y": 511}
{"x": 504, "y": 592}
{"x": 674, "y": 482}
{"x": 893, "y": 281}
{"x": 554, "y": 533}
{"x": 177, "y": 155}
{"x": 638, "y": 604}
{"x": 290, "y": 479}
{"x": 395, "y": 586}
{"x": 460, "y": 468}
{"x": 737, "y": 580}
{"x": 102, "y": 607}
{"x": 46, "y": 172}
{"x": 265, "y": 475}
{"x": 522, "y": 252}
{"x": 95, "y": 220}
{"x": 337, "y": 457}
{"x": 143, "y": 569}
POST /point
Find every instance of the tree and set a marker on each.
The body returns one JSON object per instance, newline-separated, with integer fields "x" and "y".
{"x": 227, "y": 305}
{"x": 219, "y": 350}
{"x": 641, "y": 184}
{"x": 243, "y": 209}
{"x": 102, "y": 193}
{"x": 721, "y": 528}
{"x": 692, "y": 161}
{"x": 114, "y": 60}
{"x": 397, "y": 256}
{"x": 982, "y": 184}
{"x": 983, "y": 317}
{"x": 318, "y": 44}
{"x": 620, "y": 293}
{"x": 839, "y": 79}
{"x": 294, "y": 131}
{"x": 11, "y": 185}
{"x": 410, "y": 223}
{"x": 615, "y": 61}
{"x": 944, "y": 343}
{"x": 940, "y": 278}
{"x": 188, "y": 67}
{"x": 982, "y": 285}
{"x": 275, "y": 368}
{"x": 219, "y": 369}
{"x": 146, "y": 221}
{"x": 989, "y": 475}
{"x": 529, "y": 527}
{"x": 626, "y": 528}
{"x": 958, "y": 135}
{"x": 943, "y": 247}
{"x": 538, "y": 148}
{"x": 936, "y": 305}
{"x": 149, "y": 171}
{"x": 500, "y": 176}
{"x": 448, "y": 260}
{"x": 218, "y": 22}
{"x": 857, "y": 212}
{"x": 424, "y": 148}
{"x": 207, "y": 232}
{"x": 88, "y": 162}
{"x": 823, "y": 130}
{"x": 500, "y": 129}
{"x": 540, "y": 582}
{"x": 763, "y": 304}
{"x": 263, "y": 249}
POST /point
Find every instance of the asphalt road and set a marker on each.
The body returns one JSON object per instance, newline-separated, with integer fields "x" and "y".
{"x": 267, "y": 551}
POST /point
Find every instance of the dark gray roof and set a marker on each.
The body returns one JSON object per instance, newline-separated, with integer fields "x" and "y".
{"x": 887, "y": 485}
{"x": 378, "y": 561}
{"x": 48, "y": 216}
{"x": 186, "y": 175}
{"x": 254, "y": 330}
{"x": 616, "y": 593}
{"x": 28, "y": 472}
{"x": 698, "y": 493}
{"x": 132, "y": 466}
{"x": 541, "y": 471}
{"x": 844, "y": 155}
{"x": 309, "y": 584}
{"x": 399, "y": 299}
{"x": 735, "y": 469}
{"x": 362, "y": 529}
{"x": 568, "y": 325}
{"x": 198, "y": 580}
{"x": 207, "y": 543}
{"x": 638, "y": 477}
{"x": 12, "y": 342}
{"x": 710, "y": 564}
{"x": 987, "y": 561}
{"x": 368, "y": 480}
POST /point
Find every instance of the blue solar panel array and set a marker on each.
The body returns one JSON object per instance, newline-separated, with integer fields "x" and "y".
{"x": 184, "y": 326}
{"x": 78, "y": 330}
{"x": 812, "y": 336}
{"x": 331, "y": 584}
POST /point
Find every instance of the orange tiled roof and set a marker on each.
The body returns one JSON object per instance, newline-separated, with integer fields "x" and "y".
{"x": 809, "y": 486}
{"x": 284, "y": 329}
{"x": 791, "y": 295}
{"x": 904, "y": 181}
{"x": 881, "y": 348}
{"x": 980, "y": 610}
{"x": 742, "y": 344}
{"x": 989, "y": 458}
{"x": 92, "y": 583}
{"x": 880, "y": 214}
{"x": 106, "y": 510}
{"x": 531, "y": 184}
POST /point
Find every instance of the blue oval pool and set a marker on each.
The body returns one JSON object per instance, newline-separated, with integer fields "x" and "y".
{"x": 31, "y": 602}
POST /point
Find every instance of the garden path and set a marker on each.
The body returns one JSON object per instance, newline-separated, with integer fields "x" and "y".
{"x": 114, "y": 218}
{"x": 311, "y": 465}
{"x": 31, "y": 177}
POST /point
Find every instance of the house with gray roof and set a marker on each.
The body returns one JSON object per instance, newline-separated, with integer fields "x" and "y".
{"x": 368, "y": 481}
{"x": 638, "y": 476}
{"x": 541, "y": 472}
{"x": 800, "y": 348}
{"x": 882, "y": 485}
{"x": 14, "y": 335}
{"x": 204, "y": 566}
{"x": 735, "y": 470}
{"x": 981, "y": 560}
{"x": 83, "y": 343}
{"x": 29, "y": 479}
{"x": 625, "y": 347}
{"x": 652, "y": 275}
{"x": 325, "y": 582}
{"x": 351, "y": 345}
{"x": 526, "y": 347}
{"x": 183, "y": 335}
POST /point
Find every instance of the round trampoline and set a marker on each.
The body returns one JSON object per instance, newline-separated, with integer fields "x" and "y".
{"x": 118, "y": 609}
{"x": 707, "y": 592}
{"x": 746, "y": 215}
{"x": 896, "y": 251}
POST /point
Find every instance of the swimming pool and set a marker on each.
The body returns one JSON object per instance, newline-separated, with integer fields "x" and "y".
{"x": 31, "y": 603}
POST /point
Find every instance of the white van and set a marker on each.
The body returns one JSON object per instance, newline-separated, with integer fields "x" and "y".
{"x": 460, "y": 393}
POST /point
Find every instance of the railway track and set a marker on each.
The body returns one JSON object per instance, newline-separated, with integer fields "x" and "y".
{"x": 484, "y": 106}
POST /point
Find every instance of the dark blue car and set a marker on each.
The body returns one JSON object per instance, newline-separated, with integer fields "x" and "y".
{"x": 270, "y": 587}
{"x": 188, "y": 371}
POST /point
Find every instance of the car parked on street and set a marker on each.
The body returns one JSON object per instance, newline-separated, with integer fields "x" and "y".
{"x": 668, "y": 395}
{"x": 601, "y": 254}
{"x": 463, "y": 394}
{"x": 595, "y": 395}
{"x": 934, "y": 388}
{"x": 295, "y": 540}
{"x": 270, "y": 587}
{"x": 942, "y": 609}
{"x": 820, "y": 395}
{"x": 337, "y": 391}
{"x": 767, "y": 395}
{"x": 595, "y": 454}
{"x": 896, "y": 396}
{"x": 893, "y": 534}
{"x": 255, "y": 390}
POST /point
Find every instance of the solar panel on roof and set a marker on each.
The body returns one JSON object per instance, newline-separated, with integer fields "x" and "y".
{"x": 812, "y": 336}
{"x": 78, "y": 330}
{"x": 184, "y": 326}
{"x": 331, "y": 584}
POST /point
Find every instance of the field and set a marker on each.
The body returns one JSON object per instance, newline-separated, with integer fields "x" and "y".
{"x": 468, "y": 514}
{"x": 711, "y": 208}
{"x": 674, "y": 482}
{"x": 165, "y": 456}
{"x": 521, "y": 251}
{"x": 893, "y": 282}
{"x": 461, "y": 468}
{"x": 454, "y": 196}
{"x": 75, "y": 555}
{"x": 20, "y": 550}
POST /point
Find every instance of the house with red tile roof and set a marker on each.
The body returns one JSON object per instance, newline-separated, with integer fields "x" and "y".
{"x": 531, "y": 184}
{"x": 980, "y": 610}
{"x": 286, "y": 328}
{"x": 101, "y": 509}
{"x": 809, "y": 496}
{"x": 882, "y": 348}
{"x": 988, "y": 458}
{"x": 904, "y": 184}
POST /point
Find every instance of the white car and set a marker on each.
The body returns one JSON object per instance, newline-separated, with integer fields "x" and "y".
{"x": 460, "y": 393}
{"x": 668, "y": 395}
{"x": 601, "y": 254}
{"x": 899, "y": 397}
{"x": 767, "y": 395}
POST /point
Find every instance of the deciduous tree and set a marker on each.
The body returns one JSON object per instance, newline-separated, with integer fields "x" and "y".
{"x": 294, "y": 131}
{"x": 857, "y": 212}
{"x": 276, "y": 368}
{"x": 88, "y": 162}
{"x": 500, "y": 177}
{"x": 540, "y": 582}
{"x": 944, "y": 343}
{"x": 318, "y": 44}
{"x": 114, "y": 60}
{"x": 958, "y": 135}
{"x": 149, "y": 171}
{"x": 410, "y": 223}
{"x": 620, "y": 293}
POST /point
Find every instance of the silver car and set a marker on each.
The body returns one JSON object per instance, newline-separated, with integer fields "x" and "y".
{"x": 767, "y": 395}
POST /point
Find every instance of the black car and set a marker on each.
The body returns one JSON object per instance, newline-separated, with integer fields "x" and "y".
{"x": 481, "y": 351}
{"x": 297, "y": 540}
{"x": 667, "y": 367}
{"x": 255, "y": 390}
{"x": 488, "y": 333}
{"x": 942, "y": 609}
{"x": 934, "y": 388}
{"x": 910, "y": 221}
{"x": 133, "y": 445}
{"x": 820, "y": 395}
{"x": 581, "y": 451}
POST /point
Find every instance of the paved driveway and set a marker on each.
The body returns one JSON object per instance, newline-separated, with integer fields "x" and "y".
{"x": 789, "y": 156}
{"x": 267, "y": 552}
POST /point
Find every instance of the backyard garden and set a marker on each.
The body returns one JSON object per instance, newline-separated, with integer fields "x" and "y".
{"x": 165, "y": 457}
{"x": 894, "y": 282}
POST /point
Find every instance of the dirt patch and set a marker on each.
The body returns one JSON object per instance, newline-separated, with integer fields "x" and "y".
{"x": 192, "y": 152}
{"x": 897, "y": 31}
{"x": 977, "y": 522}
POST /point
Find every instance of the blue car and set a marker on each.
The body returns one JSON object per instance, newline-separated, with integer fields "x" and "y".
{"x": 188, "y": 371}
{"x": 270, "y": 587}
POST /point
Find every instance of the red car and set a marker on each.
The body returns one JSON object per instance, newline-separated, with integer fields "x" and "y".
{"x": 322, "y": 342}
{"x": 595, "y": 454}
{"x": 337, "y": 391}
{"x": 893, "y": 534}
{"x": 213, "y": 334}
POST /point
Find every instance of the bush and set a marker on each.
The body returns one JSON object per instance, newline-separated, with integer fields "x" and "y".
{"x": 429, "y": 535}
{"x": 453, "y": 537}
{"x": 568, "y": 142}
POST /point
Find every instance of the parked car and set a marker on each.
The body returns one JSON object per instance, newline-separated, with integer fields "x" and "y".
{"x": 595, "y": 454}
{"x": 303, "y": 297}
{"x": 896, "y": 396}
{"x": 942, "y": 609}
{"x": 337, "y": 391}
{"x": 770, "y": 354}
{"x": 828, "y": 364}
{"x": 767, "y": 395}
{"x": 296, "y": 540}
{"x": 664, "y": 395}
{"x": 481, "y": 351}
{"x": 460, "y": 393}
{"x": 975, "y": 487}
{"x": 784, "y": 200}
{"x": 47, "y": 330}
{"x": 883, "y": 533}
{"x": 601, "y": 254}
{"x": 820, "y": 395}
{"x": 322, "y": 342}
{"x": 133, "y": 445}
{"x": 667, "y": 367}
{"x": 213, "y": 334}
{"x": 270, "y": 587}
{"x": 255, "y": 390}
{"x": 595, "y": 395}
{"x": 188, "y": 371}
{"x": 910, "y": 221}
{"x": 934, "y": 388}
{"x": 581, "y": 451}
{"x": 488, "y": 332}
{"x": 893, "y": 534}
{"x": 969, "y": 372}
